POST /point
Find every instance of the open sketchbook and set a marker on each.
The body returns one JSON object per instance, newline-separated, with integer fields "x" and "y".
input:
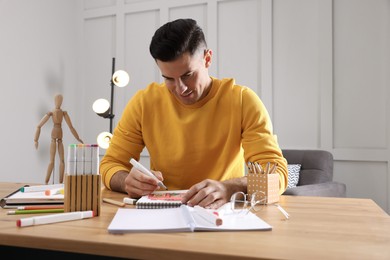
{"x": 180, "y": 219}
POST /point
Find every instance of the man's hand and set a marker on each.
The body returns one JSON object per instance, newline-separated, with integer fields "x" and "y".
{"x": 138, "y": 184}
{"x": 213, "y": 194}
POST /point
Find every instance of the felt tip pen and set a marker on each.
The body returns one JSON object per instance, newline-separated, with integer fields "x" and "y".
{"x": 38, "y": 188}
{"x": 142, "y": 169}
{"x": 210, "y": 216}
{"x": 54, "y": 192}
{"x": 129, "y": 201}
{"x": 54, "y": 218}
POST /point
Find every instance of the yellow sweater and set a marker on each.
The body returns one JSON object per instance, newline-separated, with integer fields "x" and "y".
{"x": 211, "y": 139}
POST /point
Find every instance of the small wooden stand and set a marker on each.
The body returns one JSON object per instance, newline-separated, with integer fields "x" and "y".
{"x": 82, "y": 192}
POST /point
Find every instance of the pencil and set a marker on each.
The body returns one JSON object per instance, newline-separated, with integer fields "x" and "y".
{"x": 114, "y": 202}
{"x": 41, "y": 207}
{"x": 34, "y": 211}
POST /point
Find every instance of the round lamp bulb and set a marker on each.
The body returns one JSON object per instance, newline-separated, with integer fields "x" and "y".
{"x": 104, "y": 140}
{"x": 120, "y": 78}
{"x": 101, "y": 106}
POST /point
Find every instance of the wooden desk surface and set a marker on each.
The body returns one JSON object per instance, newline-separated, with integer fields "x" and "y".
{"x": 319, "y": 228}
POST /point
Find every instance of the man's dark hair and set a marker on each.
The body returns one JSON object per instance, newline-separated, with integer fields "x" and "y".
{"x": 175, "y": 38}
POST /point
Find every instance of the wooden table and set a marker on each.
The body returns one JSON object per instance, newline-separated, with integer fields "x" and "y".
{"x": 319, "y": 228}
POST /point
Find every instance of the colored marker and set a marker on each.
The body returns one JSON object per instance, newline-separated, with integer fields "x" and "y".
{"x": 80, "y": 159}
{"x": 34, "y": 211}
{"x": 38, "y": 188}
{"x": 209, "y": 216}
{"x": 95, "y": 159}
{"x": 87, "y": 159}
{"x": 54, "y": 192}
{"x": 72, "y": 160}
{"x": 54, "y": 218}
{"x": 129, "y": 201}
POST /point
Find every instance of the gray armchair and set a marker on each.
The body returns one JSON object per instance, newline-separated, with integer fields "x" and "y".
{"x": 316, "y": 174}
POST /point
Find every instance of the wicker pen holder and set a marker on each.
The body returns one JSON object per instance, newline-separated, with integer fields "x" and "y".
{"x": 82, "y": 192}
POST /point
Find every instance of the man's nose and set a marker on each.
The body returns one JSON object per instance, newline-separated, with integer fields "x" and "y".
{"x": 180, "y": 86}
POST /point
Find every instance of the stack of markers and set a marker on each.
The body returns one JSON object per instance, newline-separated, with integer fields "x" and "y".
{"x": 82, "y": 180}
{"x": 82, "y": 159}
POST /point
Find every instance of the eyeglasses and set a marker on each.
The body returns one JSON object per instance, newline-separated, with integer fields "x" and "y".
{"x": 243, "y": 203}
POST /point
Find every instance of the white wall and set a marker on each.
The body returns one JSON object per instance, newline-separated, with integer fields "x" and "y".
{"x": 320, "y": 66}
{"x": 38, "y": 59}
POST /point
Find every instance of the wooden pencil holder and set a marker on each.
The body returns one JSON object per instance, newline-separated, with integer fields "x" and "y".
{"x": 267, "y": 184}
{"x": 82, "y": 192}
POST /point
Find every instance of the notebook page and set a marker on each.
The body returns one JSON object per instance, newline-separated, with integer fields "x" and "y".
{"x": 149, "y": 220}
{"x": 231, "y": 222}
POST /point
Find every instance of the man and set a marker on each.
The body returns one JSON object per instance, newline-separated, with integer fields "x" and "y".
{"x": 199, "y": 130}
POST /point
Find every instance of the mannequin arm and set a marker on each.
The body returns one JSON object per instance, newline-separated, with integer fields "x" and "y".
{"x": 38, "y": 131}
{"x": 69, "y": 123}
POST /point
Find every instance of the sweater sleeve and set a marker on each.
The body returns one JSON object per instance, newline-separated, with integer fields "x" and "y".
{"x": 258, "y": 140}
{"x": 126, "y": 142}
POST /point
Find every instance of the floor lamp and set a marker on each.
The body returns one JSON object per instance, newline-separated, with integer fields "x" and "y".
{"x": 105, "y": 109}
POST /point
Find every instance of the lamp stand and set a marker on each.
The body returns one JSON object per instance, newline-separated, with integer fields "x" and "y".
{"x": 104, "y": 108}
{"x": 111, "y": 116}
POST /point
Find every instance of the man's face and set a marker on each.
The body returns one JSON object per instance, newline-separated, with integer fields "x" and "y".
{"x": 187, "y": 77}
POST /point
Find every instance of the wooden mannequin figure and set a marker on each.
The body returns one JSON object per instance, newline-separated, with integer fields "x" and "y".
{"x": 56, "y": 136}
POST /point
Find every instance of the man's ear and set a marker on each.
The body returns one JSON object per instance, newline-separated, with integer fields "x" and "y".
{"x": 208, "y": 55}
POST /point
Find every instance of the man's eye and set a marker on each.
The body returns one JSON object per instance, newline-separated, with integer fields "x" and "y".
{"x": 186, "y": 76}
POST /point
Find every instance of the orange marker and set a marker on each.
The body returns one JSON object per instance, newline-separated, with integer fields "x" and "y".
{"x": 54, "y": 192}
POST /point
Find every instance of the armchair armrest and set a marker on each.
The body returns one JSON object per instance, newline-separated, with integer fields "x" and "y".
{"x": 317, "y": 165}
{"x": 325, "y": 189}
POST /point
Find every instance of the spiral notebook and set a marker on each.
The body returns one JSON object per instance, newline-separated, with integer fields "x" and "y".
{"x": 161, "y": 199}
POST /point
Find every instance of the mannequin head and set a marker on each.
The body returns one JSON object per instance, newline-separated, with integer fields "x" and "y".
{"x": 58, "y": 100}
